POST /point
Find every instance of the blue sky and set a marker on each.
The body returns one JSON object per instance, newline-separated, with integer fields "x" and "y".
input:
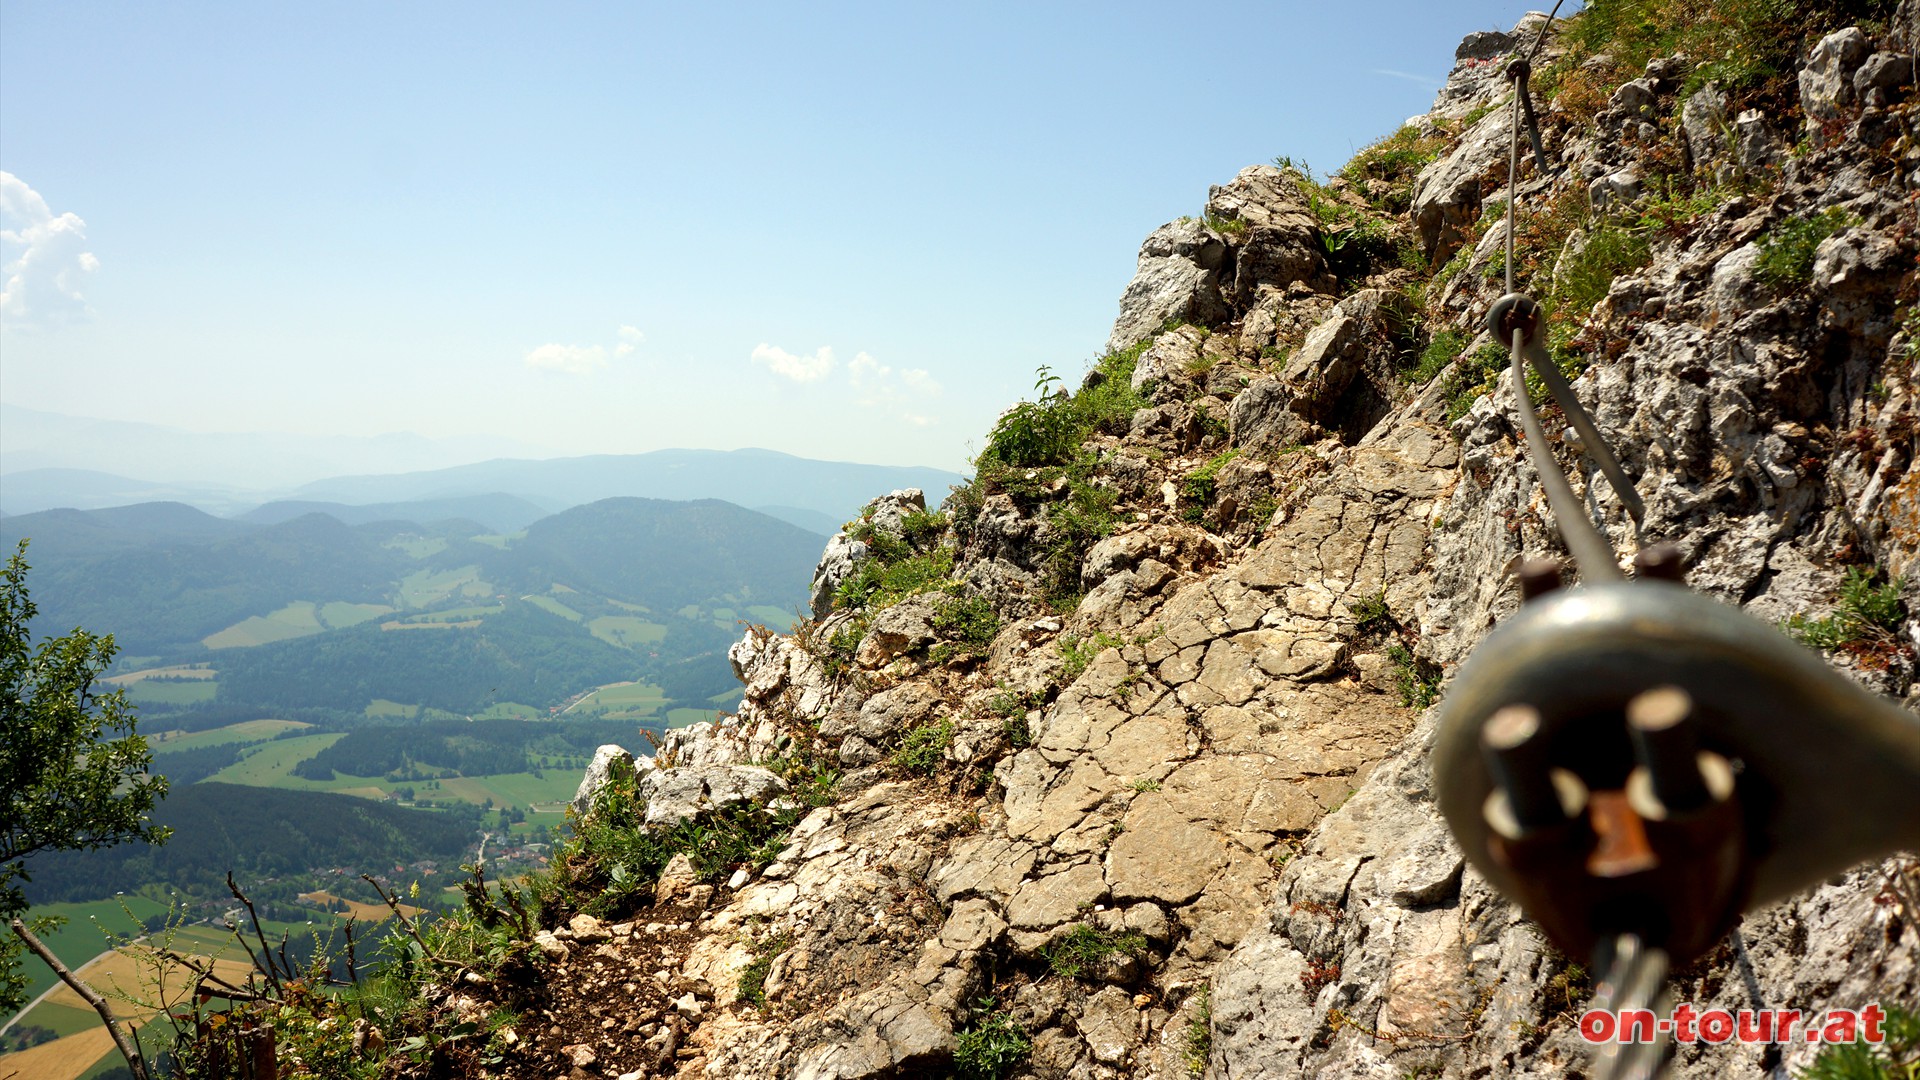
{"x": 845, "y": 231}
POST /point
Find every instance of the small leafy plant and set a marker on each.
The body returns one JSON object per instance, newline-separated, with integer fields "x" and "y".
{"x": 990, "y": 1045}
{"x": 923, "y": 748}
{"x": 1786, "y": 251}
{"x": 1086, "y": 946}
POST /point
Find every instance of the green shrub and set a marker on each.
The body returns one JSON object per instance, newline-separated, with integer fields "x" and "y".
{"x": 1787, "y": 250}
{"x": 968, "y": 621}
{"x": 613, "y": 860}
{"x": 1445, "y": 347}
{"x": 990, "y": 1045}
{"x": 1049, "y": 430}
{"x": 1475, "y": 374}
{"x": 923, "y": 748}
{"x": 1086, "y": 946}
{"x": 876, "y": 583}
{"x": 1610, "y": 250}
{"x": 1395, "y": 160}
{"x": 1197, "y": 1047}
{"x": 753, "y": 977}
{"x": 1371, "y": 616}
{"x": 1867, "y": 614}
{"x": 1196, "y": 491}
{"x": 1418, "y": 680}
{"x": 1736, "y": 42}
{"x": 1077, "y": 654}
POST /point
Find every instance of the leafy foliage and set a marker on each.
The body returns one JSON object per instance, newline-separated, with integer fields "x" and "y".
{"x": 1786, "y": 251}
{"x": 923, "y": 748}
{"x": 1197, "y": 1045}
{"x": 968, "y": 622}
{"x": 1868, "y": 615}
{"x": 1086, "y": 946}
{"x": 990, "y": 1045}
{"x": 1735, "y": 42}
{"x": 753, "y": 977}
{"x": 72, "y": 764}
{"x": 614, "y": 859}
{"x": 1196, "y": 491}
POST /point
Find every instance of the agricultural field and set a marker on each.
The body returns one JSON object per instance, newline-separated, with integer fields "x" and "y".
{"x": 622, "y": 701}
{"x": 67, "y": 1058}
{"x": 778, "y": 619}
{"x": 627, "y": 631}
{"x": 548, "y": 603}
{"x": 182, "y": 671}
{"x": 678, "y": 718}
{"x": 133, "y": 986}
{"x": 424, "y": 587}
{"x": 298, "y": 619}
{"x": 338, "y": 614}
{"x": 170, "y": 692}
{"x": 537, "y": 793}
{"x": 359, "y": 910}
{"x": 85, "y": 934}
{"x": 246, "y": 731}
{"x": 272, "y": 765}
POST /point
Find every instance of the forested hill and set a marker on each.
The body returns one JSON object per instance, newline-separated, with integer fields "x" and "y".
{"x": 259, "y": 834}
{"x": 434, "y": 613}
{"x": 666, "y": 555}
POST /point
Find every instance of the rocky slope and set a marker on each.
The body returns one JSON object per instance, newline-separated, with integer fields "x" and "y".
{"x": 1128, "y": 748}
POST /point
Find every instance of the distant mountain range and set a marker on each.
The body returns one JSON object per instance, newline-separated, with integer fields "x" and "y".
{"x": 49, "y": 461}
{"x": 33, "y": 439}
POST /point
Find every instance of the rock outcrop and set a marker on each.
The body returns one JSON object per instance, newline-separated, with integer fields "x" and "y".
{"x": 1134, "y": 771}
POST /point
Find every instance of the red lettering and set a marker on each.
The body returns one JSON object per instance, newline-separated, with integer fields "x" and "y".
{"x": 1716, "y": 1025}
{"x": 1756, "y": 1027}
{"x": 1683, "y": 1023}
{"x": 1871, "y": 1016}
{"x": 1638, "y": 1025}
{"x": 1597, "y": 1026}
{"x": 1841, "y": 1027}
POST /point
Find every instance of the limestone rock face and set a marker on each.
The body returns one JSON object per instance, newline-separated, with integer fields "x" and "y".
{"x": 1826, "y": 82}
{"x": 1186, "y": 787}
{"x": 1446, "y": 197}
{"x": 1179, "y": 278}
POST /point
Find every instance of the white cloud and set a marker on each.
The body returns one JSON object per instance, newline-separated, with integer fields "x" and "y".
{"x": 569, "y": 359}
{"x": 43, "y": 259}
{"x": 584, "y": 359}
{"x": 798, "y": 368}
{"x": 630, "y": 339}
{"x": 878, "y": 386}
{"x": 920, "y": 382}
{"x": 1419, "y": 80}
{"x": 874, "y": 385}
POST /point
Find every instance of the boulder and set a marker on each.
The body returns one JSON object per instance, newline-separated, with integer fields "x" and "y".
{"x": 889, "y": 712}
{"x": 1178, "y": 277}
{"x": 1826, "y": 82}
{"x": 901, "y": 629}
{"x": 1446, "y": 194}
{"x": 1883, "y": 79}
{"x": 606, "y": 760}
{"x": 675, "y": 795}
{"x": 843, "y": 553}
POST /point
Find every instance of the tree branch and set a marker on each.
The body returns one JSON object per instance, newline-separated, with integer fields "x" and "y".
{"x": 129, "y": 1049}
